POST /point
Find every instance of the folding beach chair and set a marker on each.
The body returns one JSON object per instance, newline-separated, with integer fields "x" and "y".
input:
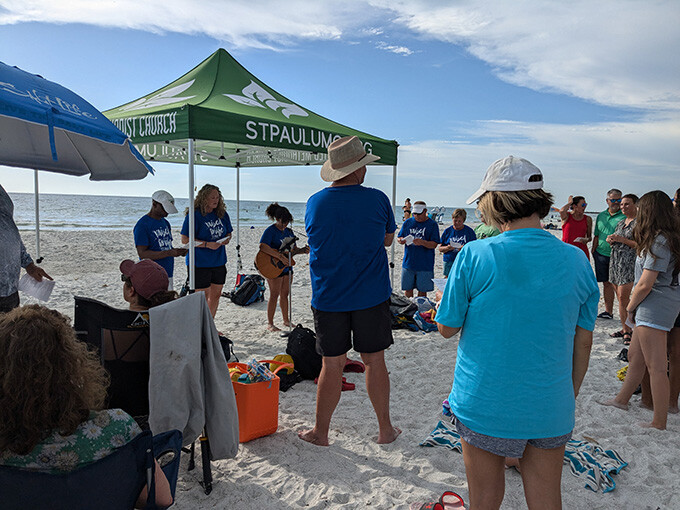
{"x": 122, "y": 339}
{"x": 111, "y": 483}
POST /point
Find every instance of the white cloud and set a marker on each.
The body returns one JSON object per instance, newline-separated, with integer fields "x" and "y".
{"x": 399, "y": 50}
{"x": 576, "y": 159}
{"x": 613, "y": 52}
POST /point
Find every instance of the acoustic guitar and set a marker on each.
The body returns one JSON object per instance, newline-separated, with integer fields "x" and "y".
{"x": 269, "y": 266}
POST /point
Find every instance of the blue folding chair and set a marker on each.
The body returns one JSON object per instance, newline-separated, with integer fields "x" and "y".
{"x": 111, "y": 483}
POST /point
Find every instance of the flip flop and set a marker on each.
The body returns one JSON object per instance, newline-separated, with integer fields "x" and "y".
{"x": 617, "y": 334}
{"x": 448, "y": 501}
{"x": 346, "y": 386}
{"x": 354, "y": 366}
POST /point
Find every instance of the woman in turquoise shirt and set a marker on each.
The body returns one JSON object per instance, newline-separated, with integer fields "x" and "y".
{"x": 520, "y": 367}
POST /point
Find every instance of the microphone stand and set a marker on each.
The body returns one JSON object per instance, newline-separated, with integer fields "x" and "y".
{"x": 288, "y": 244}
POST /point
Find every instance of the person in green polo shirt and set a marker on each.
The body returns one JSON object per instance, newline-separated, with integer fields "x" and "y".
{"x": 605, "y": 224}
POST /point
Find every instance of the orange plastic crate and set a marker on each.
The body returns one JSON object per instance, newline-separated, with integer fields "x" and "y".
{"x": 258, "y": 404}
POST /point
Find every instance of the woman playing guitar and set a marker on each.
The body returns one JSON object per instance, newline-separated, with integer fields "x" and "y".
{"x": 273, "y": 263}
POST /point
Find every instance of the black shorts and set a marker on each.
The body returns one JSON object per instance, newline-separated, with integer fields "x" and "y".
{"x": 206, "y": 276}
{"x": 9, "y": 303}
{"x": 601, "y": 267}
{"x": 369, "y": 330}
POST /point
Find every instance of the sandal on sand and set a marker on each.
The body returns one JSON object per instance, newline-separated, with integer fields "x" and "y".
{"x": 354, "y": 366}
{"x": 605, "y": 315}
{"x": 617, "y": 334}
{"x": 627, "y": 338}
{"x": 346, "y": 386}
{"x": 448, "y": 501}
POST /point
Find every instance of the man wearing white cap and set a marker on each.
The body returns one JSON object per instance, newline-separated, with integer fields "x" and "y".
{"x": 420, "y": 235}
{"x": 153, "y": 236}
{"x": 350, "y": 283}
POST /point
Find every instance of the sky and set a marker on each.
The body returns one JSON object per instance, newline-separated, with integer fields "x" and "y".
{"x": 587, "y": 91}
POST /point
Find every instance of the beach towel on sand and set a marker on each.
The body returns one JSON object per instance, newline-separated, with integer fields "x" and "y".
{"x": 586, "y": 460}
{"x": 593, "y": 463}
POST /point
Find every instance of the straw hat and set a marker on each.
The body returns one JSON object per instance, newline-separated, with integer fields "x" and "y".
{"x": 345, "y": 156}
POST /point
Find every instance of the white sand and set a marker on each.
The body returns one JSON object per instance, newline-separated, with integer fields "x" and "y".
{"x": 281, "y": 471}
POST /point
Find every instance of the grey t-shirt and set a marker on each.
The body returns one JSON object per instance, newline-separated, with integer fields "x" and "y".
{"x": 662, "y": 305}
{"x": 13, "y": 255}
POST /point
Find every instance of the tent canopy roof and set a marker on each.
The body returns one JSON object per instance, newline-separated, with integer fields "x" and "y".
{"x": 236, "y": 120}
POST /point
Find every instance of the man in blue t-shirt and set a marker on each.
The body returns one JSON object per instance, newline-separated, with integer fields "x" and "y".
{"x": 454, "y": 238}
{"x": 350, "y": 283}
{"x": 153, "y": 236}
{"x": 420, "y": 235}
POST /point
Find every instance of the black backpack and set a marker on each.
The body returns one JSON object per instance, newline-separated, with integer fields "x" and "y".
{"x": 250, "y": 289}
{"x": 302, "y": 348}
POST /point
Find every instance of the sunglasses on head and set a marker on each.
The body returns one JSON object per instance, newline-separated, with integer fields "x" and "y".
{"x": 614, "y": 200}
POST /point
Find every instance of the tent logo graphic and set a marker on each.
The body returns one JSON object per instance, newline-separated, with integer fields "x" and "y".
{"x": 163, "y": 98}
{"x": 254, "y": 95}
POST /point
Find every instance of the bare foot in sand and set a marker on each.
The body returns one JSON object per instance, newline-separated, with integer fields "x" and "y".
{"x": 389, "y": 438}
{"x": 673, "y": 410}
{"x": 287, "y": 325}
{"x": 613, "y": 403}
{"x": 651, "y": 426}
{"x": 272, "y": 328}
{"x": 311, "y": 436}
{"x": 644, "y": 405}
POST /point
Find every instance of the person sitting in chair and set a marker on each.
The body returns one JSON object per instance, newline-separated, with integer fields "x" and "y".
{"x": 145, "y": 284}
{"x": 52, "y": 392}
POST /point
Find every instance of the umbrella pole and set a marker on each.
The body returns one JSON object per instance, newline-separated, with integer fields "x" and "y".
{"x": 36, "y": 197}
{"x": 394, "y": 201}
{"x": 192, "y": 221}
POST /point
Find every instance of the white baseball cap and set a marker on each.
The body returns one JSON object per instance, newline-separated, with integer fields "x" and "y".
{"x": 418, "y": 208}
{"x": 509, "y": 174}
{"x": 166, "y": 200}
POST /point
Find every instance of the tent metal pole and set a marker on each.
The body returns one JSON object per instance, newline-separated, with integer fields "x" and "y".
{"x": 36, "y": 198}
{"x": 238, "y": 217}
{"x": 394, "y": 201}
{"x": 192, "y": 220}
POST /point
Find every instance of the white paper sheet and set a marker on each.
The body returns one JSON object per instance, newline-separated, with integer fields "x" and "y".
{"x": 196, "y": 244}
{"x": 40, "y": 290}
{"x": 409, "y": 239}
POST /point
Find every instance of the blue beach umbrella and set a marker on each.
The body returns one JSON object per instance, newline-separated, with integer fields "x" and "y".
{"x": 45, "y": 126}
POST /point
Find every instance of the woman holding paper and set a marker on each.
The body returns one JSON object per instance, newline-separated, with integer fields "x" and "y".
{"x": 212, "y": 231}
{"x": 576, "y": 226}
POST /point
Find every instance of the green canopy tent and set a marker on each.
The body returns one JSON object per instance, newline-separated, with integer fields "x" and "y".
{"x": 225, "y": 116}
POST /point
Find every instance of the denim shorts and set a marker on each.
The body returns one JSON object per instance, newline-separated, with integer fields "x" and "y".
{"x": 507, "y": 447}
{"x": 421, "y": 280}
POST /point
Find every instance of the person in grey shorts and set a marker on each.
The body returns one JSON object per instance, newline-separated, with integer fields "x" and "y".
{"x": 543, "y": 354}
{"x": 654, "y": 304}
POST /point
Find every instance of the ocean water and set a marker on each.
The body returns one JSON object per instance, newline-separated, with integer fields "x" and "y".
{"x": 88, "y": 212}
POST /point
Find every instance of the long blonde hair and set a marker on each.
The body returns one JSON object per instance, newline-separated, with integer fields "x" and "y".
{"x": 656, "y": 217}
{"x": 202, "y": 198}
{"x": 48, "y": 379}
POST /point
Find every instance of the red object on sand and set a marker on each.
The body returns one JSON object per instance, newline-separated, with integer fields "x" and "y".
{"x": 354, "y": 366}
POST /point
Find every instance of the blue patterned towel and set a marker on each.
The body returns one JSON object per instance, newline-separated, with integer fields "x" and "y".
{"x": 593, "y": 463}
{"x": 444, "y": 435}
{"x": 586, "y": 460}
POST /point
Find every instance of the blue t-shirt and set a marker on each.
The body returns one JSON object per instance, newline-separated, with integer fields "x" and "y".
{"x": 462, "y": 236}
{"x": 273, "y": 237}
{"x": 156, "y": 235}
{"x": 208, "y": 228}
{"x": 518, "y": 298}
{"x": 419, "y": 258}
{"x": 346, "y": 227}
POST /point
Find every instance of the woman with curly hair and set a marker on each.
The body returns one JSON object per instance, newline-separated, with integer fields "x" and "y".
{"x": 654, "y": 304}
{"x": 52, "y": 391}
{"x": 270, "y": 243}
{"x": 212, "y": 229}
{"x": 542, "y": 352}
